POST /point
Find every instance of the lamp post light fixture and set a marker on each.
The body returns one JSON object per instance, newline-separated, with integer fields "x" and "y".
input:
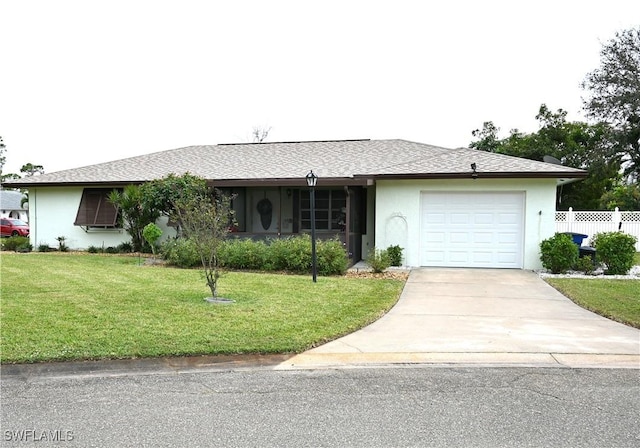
{"x": 312, "y": 179}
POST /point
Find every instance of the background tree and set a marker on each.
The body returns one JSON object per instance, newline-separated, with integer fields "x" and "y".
{"x": 3, "y": 159}
{"x": 260, "y": 134}
{"x": 623, "y": 196}
{"x": 575, "y": 144}
{"x": 29, "y": 169}
{"x": 206, "y": 223}
{"x": 614, "y": 94}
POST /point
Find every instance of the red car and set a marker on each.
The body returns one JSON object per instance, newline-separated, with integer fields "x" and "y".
{"x": 13, "y": 227}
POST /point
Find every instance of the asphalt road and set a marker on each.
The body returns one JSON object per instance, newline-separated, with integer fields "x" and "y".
{"x": 387, "y": 407}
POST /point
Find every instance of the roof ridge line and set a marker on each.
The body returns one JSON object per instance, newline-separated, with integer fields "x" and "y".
{"x": 300, "y": 141}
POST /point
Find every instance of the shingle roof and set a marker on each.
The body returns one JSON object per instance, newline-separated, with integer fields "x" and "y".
{"x": 10, "y": 200}
{"x": 342, "y": 159}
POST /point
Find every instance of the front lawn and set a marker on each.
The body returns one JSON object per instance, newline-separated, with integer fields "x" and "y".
{"x": 57, "y": 306}
{"x": 618, "y": 300}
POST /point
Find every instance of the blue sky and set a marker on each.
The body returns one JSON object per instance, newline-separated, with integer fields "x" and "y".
{"x": 87, "y": 82}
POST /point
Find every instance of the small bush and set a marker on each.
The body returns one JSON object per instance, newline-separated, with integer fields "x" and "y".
{"x": 243, "y": 254}
{"x": 395, "y": 255}
{"x": 111, "y": 250}
{"x": 616, "y": 250}
{"x": 291, "y": 254}
{"x": 585, "y": 264}
{"x": 44, "y": 248}
{"x": 27, "y": 247}
{"x": 62, "y": 244}
{"x": 379, "y": 260}
{"x": 15, "y": 242}
{"x": 125, "y": 248}
{"x": 332, "y": 258}
{"x": 559, "y": 253}
{"x": 180, "y": 252}
{"x": 94, "y": 249}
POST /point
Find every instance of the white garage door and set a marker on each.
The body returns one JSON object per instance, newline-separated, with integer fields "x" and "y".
{"x": 470, "y": 229}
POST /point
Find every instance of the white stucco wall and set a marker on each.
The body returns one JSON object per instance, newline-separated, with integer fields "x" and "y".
{"x": 400, "y": 201}
{"x": 52, "y": 213}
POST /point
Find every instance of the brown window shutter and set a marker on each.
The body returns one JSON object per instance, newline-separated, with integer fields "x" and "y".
{"x": 95, "y": 209}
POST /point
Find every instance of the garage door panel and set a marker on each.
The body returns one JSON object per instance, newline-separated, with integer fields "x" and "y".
{"x": 509, "y": 218}
{"x": 506, "y": 258}
{"x": 435, "y": 218}
{"x": 436, "y": 237}
{"x": 435, "y": 258}
{"x": 483, "y": 219}
{"x": 460, "y": 218}
{"x": 459, "y": 256}
{"x": 459, "y": 237}
{"x": 508, "y": 238}
{"x": 472, "y": 229}
{"x": 483, "y": 238}
{"x": 480, "y": 256}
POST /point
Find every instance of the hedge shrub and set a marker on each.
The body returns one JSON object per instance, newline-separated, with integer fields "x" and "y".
{"x": 180, "y": 252}
{"x": 17, "y": 244}
{"x": 559, "y": 253}
{"x": 616, "y": 250}
{"x": 291, "y": 254}
{"x": 332, "y": 258}
{"x": 243, "y": 254}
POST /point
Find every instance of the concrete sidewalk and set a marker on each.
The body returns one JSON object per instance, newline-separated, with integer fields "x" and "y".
{"x": 482, "y": 317}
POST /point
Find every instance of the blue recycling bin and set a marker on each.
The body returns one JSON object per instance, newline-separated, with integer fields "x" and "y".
{"x": 584, "y": 251}
{"x": 577, "y": 237}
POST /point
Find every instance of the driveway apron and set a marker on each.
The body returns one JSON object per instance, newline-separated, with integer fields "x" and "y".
{"x": 483, "y": 316}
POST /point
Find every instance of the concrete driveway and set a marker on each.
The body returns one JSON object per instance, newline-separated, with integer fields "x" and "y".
{"x": 482, "y": 316}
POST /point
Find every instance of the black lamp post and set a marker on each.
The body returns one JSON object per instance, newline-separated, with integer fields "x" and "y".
{"x": 312, "y": 179}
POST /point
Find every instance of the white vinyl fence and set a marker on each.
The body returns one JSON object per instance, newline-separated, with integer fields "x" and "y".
{"x": 592, "y": 222}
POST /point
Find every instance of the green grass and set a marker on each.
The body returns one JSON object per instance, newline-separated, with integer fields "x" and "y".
{"x": 618, "y": 300}
{"x": 72, "y": 307}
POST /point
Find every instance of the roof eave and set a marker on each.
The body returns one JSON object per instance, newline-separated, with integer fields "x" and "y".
{"x": 564, "y": 175}
{"x": 269, "y": 182}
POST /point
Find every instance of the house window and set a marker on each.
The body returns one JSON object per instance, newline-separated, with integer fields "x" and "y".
{"x": 96, "y": 210}
{"x": 330, "y": 210}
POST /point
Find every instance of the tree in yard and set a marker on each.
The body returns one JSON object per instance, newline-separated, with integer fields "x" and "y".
{"x": 162, "y": 194}
{"x": 575, "y": 144}
{"x": 135, "y": 213}
{"x": 206, "y": 221}
{"x": 152, "y": 233}
{"x": 614, "y": 94}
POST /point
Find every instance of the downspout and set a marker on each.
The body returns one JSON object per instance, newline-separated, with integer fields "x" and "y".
{"x": 35, "y": 217}
{"x": 347, "y": 227}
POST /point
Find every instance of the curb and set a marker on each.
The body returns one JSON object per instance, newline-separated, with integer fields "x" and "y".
{"x": 312, "y": 361}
